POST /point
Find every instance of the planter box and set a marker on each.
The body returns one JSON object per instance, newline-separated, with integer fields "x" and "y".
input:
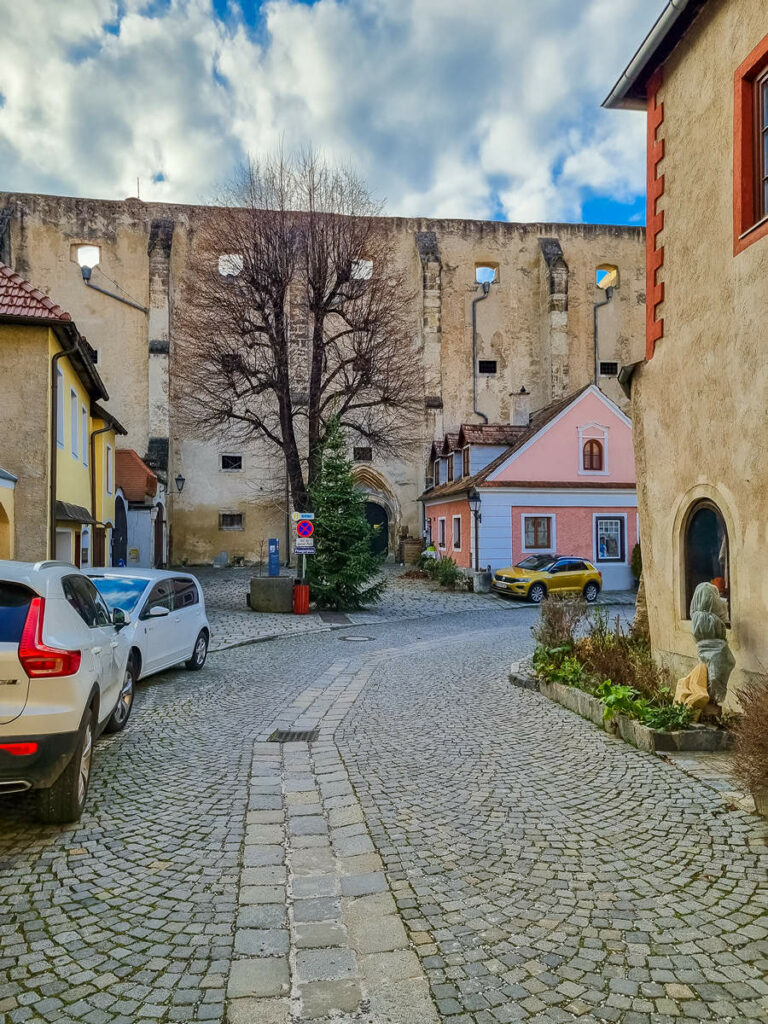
{"x": 704, "y": 738}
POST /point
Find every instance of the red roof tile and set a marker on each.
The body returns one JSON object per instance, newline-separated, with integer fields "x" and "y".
{"x": 133, "y": 476}
{"x": 19, "y": 298}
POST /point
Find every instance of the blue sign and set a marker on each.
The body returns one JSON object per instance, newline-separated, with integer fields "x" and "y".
{"x": 274, "y": 556}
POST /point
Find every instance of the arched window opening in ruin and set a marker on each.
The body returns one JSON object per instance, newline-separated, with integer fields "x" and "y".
{"x": 705, "y": 552}
{"x": 593, "y": 456}
{"x": 230, "y": 264}
{"x": 86, "y": 255}
{"x": 362, "y": 270}
{"x": 487, "y": 272}
{"x": 607, "y": 276}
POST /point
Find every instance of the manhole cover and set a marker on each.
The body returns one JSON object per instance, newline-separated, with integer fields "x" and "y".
{"x": 294, "y": 736}
{"x": 357, "y": 639}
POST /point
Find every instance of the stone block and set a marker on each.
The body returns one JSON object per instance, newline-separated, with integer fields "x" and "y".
{"x": 324, "y": 964}
{"x": 263, "y": 1011}
{"x": 258, "y": 977}
{"x": 323, "y": 998}
{"x": 271, "y": 594}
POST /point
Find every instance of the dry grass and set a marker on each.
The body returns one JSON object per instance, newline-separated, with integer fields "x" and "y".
{"x": 607, "y": 652}
{"x": 750, "y": 729}
{"x": 561, "y": 618}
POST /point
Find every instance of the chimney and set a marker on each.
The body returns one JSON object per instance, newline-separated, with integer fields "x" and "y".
{"x": 521, "y": 408}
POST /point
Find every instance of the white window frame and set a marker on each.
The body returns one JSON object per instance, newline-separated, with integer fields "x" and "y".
{"x": 60, "y": 411}
{"x": 609, "y": 514}
{"x": 74, "y": 424}
{"x": 108, "y": 469}
{"x": 441, "y": 538}
{"x": 84, "y": 430}
{"x": 552, "y": 549}
{"x": 593, "y": 432}
{"x": 454, "y": 521}
{"x": 231, "y": 455}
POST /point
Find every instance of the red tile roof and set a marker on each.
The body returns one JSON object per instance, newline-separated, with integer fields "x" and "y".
{"x": 133, "y": 476}
{"x": 19, "y": 298}
{"x": 489, "y": 433}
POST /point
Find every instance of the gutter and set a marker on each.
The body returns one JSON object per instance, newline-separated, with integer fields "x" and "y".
{"x": 101, "y": 430}
{"x": 595, "y": 307}
{"x": 86, "y": 271}
{"x": 486, "y": 289}
{"x": 624, "y": 93}
{"x": 53, "y": 470}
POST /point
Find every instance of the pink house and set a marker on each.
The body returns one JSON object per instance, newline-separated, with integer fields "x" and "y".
{"x": 563, "y": 483}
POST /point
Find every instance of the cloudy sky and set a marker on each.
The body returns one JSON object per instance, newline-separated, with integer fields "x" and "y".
{"x": 448, "y": 108}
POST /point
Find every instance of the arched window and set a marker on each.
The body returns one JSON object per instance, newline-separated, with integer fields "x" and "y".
{"x": 706, "y": 556}
{"x": 593, "y": 456}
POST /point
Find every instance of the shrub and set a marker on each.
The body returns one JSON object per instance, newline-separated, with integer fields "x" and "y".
{"x": 636, "y": 562}
{"x": 750, "y": 729}
{"x": 448, "y": 574}
{"x": 609, "y": 653}
{"x": 560, "y": 620}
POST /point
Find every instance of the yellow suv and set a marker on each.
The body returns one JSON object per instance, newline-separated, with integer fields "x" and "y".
{"x": 539, "y": 575}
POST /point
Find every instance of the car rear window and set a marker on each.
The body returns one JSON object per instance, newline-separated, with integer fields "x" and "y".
{"x": 14, "y": 602}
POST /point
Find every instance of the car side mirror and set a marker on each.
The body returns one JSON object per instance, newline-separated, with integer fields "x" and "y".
{"x": 120, "y": 619}
{"x": 158, "y": 611}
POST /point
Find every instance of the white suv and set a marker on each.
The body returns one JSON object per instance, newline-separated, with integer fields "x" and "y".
{"x": 64, "y": 678}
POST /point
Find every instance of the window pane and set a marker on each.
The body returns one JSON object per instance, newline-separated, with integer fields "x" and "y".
{"x": 764, "y": 103}
{"x": 610, "y": 534}
{"x": 706, "y": 552}
{"x": 537, "y": 531}
{"x": 765, "y": 197}
{"x": 186, "y": 593}
{"x": 78, "y": 595}
{"x": 161, "y": 596}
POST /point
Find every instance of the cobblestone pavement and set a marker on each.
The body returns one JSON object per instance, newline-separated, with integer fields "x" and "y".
{"x": 545, "y": 871}
{"x": 232, "y": 623}
{"x": 448, "y": 848}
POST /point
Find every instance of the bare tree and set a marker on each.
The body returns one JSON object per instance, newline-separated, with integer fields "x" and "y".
{"x": 296, "y": 311}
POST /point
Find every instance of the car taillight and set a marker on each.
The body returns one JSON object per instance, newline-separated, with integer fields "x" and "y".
{"x": 36, "y": 658}
{"x": 19, "y": 749}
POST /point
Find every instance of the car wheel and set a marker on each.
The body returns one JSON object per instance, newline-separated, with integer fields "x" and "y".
{"x": 537, "y": 593}
{"x": 200, "y": 653}
{"x": 591, "y": 591}
{"x": 64, "y": 801}
{"x": 119, "y": 717}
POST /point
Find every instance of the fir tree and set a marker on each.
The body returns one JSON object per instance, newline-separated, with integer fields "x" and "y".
{"x": 342, "y": 573}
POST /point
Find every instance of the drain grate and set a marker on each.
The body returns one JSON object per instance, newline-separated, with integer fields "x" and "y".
{"x": 294, "y": 736}
{"x": 357, "y": 639}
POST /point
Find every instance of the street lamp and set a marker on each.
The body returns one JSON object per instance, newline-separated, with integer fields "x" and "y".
{"x": 474, "y": 500}
{"x": 180, "y": 481}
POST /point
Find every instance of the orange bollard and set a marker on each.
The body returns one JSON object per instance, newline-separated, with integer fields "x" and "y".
{"x": 300, "y": 598}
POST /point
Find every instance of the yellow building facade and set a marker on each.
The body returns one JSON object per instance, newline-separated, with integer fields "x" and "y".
{"x": 57, "y": 443}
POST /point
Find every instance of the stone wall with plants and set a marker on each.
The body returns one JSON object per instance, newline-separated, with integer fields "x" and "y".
{"x": 582, "y": 647}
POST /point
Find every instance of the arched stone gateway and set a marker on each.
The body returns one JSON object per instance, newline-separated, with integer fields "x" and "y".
{"x": 382, "y": 507}
{"x": 378, "y": 520}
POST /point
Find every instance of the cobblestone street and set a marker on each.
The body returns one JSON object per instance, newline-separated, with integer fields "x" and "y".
{"x": 448, "y": 848}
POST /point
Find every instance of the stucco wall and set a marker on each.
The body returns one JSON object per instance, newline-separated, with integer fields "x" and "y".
{"x": 556, "y": 454}
{"x": 448, "y": 510}
{"x": 517, "y": 326}
{"x": 700, "y": 403}
{"x": 25, "y": 437}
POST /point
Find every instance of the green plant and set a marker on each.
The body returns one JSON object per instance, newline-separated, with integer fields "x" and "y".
{"x": 343, "y": 572}
{"x": 618, "y": 699}
{"x": 448, "y": 574}
{"x": 636, "y": 561}
{"x": 668, "y": 717}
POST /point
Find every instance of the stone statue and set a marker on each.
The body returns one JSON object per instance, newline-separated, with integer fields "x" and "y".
{"x": 707, "y": 685}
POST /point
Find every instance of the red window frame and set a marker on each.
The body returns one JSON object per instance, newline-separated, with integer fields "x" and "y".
{"x": 750, "y": 216}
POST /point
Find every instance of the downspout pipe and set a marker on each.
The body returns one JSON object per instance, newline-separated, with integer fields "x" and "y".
{"x": 94, "y": 433}
{"x": 86, "y": 271}
{"x": 486, "y": 289}
{"x": 53, "y": 469}
{"x": 599, "y": 305}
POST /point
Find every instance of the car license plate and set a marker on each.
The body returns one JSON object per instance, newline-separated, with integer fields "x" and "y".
{"x": 501, "y": 583}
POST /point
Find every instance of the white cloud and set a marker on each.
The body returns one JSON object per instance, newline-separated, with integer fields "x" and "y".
{"x": 447, "y": 108}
